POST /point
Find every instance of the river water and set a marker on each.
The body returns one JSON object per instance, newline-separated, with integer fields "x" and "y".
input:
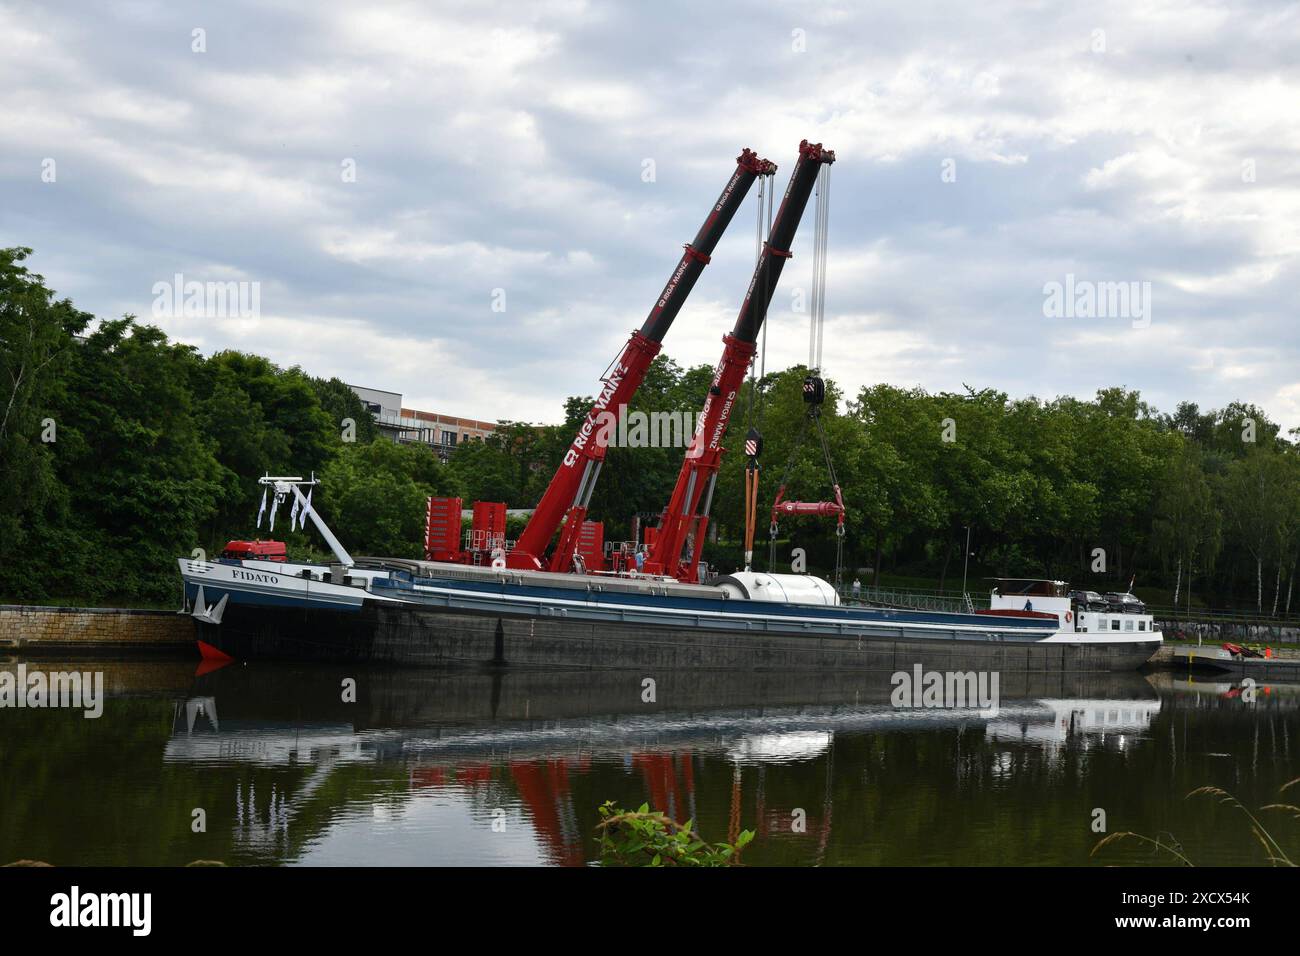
{"x": 286, "y": 764}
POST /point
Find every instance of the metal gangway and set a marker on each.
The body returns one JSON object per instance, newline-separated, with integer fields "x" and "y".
{"x": 917, "y": 599}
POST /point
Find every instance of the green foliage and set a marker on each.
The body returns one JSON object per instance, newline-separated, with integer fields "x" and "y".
{"x": 1274, "y": 852}
{"x": 137, "y": 476}
{"x": 501, "y": 467}
{"x": 650, "y": 838}
{"x": 375, "y": 496}
{"x": 121, "y": 451}
{"x": 1040, "y": 485}
{"x": 1187, "y": 527}
{"x": 158, "y": 451}
{"x": 36, "y": 337}
{"x": 1257, "y": 494}
{"x": 342, "y": 405}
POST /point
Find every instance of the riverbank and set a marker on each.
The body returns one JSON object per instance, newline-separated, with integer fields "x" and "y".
{"x": 37, "y": 629}
{"x": 1165, "y": 654}
{"x": 98, "y": 631}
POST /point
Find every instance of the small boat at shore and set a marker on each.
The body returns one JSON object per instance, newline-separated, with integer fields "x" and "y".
{"x": 430, "y": 613}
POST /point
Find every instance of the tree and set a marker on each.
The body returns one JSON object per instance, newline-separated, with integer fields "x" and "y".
{"x": 1187, "y": 527}
{"x": 1288, "y": 526}
{"x": 373, "y": 496}
{"x": 139, "y": 475}
{"x": 905, "y": 433}
{"x": 1256, "y": 501}
{"x": 341, "y": 404}
{"x": 36, "y": 336}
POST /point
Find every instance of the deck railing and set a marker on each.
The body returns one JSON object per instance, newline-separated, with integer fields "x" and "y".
{"x": 919, "y": 599}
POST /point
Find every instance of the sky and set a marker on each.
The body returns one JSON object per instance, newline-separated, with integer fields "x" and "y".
{"x": 474, "y": 204}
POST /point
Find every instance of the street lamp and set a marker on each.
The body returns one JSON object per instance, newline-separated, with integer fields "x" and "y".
{"x": 965, "y": 561}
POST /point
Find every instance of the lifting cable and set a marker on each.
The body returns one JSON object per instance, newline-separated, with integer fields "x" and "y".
{"x": 753, "y": 437}
{"x": 814, "y": 389}
{"x": 816, "y": 327}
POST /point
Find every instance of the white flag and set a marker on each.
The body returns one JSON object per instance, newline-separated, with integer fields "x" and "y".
{"x": 293, "y": 514}
{"x": 262, "y": 510}
{"x": 275, "y": 506}
{"x": 306, "y": 508}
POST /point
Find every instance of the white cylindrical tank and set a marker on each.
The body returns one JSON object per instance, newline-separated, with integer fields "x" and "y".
{"x": 783, "y": 588}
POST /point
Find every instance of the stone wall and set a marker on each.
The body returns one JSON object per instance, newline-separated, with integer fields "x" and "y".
{"x": 1238, "y": 633}
{"x": 34, "y": 629}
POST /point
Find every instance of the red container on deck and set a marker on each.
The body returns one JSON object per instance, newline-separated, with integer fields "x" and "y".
{"x": 254, "y": 550}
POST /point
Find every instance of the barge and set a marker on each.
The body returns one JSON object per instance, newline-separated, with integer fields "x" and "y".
{"x": 549, "y": 600}
{"x": 429, "y": 613}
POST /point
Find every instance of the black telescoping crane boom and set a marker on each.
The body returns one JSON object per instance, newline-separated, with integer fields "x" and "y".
{"x": 687, "y": 513}
{"x": 568, "y": 495}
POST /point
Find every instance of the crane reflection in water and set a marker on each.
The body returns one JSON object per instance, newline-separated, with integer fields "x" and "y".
{"x": 509, "y": 767}
{"x": 844, "y": 777}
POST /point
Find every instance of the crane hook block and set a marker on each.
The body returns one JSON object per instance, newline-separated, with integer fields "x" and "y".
{"x": 814, "y": 390}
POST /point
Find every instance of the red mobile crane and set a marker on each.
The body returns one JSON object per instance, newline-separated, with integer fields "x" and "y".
{"x": 683, "y": 517}
{"x": 569, "y": 493}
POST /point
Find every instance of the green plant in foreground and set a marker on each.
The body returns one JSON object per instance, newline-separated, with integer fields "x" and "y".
{"x": 645, "y": 838}
{"x": 1273, "y": 850}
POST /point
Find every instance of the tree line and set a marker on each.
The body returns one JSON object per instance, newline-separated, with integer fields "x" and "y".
{"x": 1196, "y": 505}
{"x": 121, "y": 450}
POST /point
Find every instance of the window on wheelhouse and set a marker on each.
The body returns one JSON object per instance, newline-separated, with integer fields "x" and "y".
{"x": 1030, "y": 587}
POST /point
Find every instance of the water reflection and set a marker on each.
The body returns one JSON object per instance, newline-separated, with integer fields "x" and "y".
{"x": 290, "y": 766}
{"x": 1052, "y": 723}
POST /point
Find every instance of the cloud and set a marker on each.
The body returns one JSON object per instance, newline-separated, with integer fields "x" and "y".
{"x": 503, "y": 146}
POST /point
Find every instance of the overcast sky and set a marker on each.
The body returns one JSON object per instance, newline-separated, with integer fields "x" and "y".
{"x": 985, "y": 151}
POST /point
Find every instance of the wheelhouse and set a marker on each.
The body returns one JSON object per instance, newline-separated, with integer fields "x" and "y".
{"x": 1078, "y": 611}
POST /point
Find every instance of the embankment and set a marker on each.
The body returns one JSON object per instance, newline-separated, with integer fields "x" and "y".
{"x": 31, "y": 629}
{"x": 1237, "y": 632}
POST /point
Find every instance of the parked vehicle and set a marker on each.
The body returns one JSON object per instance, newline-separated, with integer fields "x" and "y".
{"x": 1124, "y": 603}
{"x": 1088, "y": 601}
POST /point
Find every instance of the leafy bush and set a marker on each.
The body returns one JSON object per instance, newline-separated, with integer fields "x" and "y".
{"x": 650, "y": 838}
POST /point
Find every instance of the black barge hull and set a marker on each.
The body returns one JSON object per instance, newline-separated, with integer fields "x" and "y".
{"x": 403, "y": 635}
